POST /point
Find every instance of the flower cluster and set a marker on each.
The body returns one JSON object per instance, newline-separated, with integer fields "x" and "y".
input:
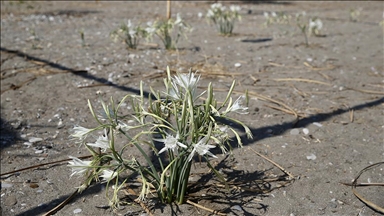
{"x": 314, "y": 26}
{"x": 169, "y": 31}
{"x": 130, "y": 34}
{"x": 276, "y": 17}
{"x": 224, "y": 19}
{"x": 179, "y": 119}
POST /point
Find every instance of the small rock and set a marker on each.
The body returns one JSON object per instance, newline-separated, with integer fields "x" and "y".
{"x": 237, "y": 65}
{"x": 10, "y": 201}
{"x": 28, "y": 144}
{"x": 35, "y": 139}
{"x": 332, "y": 205}
{"x": 237, "y": 208}
{"x": 294, "y": 131}
{"x": 305, "y": 131}
{"x": 77, "y": 211}
{"x": 311, "y": 157}
{"x": 6, "y": 185}
{"x": 39, "y": 151}
{"x": 317, "y": 124}
{"x": 60, "y": 124}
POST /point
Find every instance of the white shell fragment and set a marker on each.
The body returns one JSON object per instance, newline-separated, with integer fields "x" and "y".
{"x": 35, "y": 139}
{"x": 77, "y": 211}
{"x": 311, "y": 157}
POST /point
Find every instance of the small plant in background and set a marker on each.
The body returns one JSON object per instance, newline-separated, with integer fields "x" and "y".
{"x": 354, "y": 14}
{"x": 82, "y": 37}
{"x": 169, "y": 31}
{"x": 302, "y": 26}
{"x": 279, "y": 18}
{"x": 314, "y": 26}
{"x": 179, "y": 119}
{"x": 224, "y": 19}
{"x": 130, "y": 34}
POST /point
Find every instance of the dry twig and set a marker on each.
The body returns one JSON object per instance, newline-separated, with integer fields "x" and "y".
{"x": 274, "y": 163}
{"x": 44, "y": 164}
{"x": 360, "y": 197}
{"x": 302, "y": 80}
{"x": 204, "y": 208}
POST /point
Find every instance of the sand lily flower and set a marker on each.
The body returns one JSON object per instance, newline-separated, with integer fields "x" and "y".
{"x": 237, "y": 107}
{"x": 235, "y": 8}
{"x": 102, "y": 142}
{"x": 315, "y": 25}
{"x": 178, "y": 19}
{"x": 78, "y": 166}
{"x": 188, "y": 82}
{"x": 108, "y": 175}
{"x": 202, "y": 148}
{"x": 80, "y": 132}
{"x": 171, "y": 143}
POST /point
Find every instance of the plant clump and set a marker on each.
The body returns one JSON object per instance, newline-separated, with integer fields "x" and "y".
{"x": 177, "y": 122}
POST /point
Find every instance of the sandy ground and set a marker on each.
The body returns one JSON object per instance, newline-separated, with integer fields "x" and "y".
{"x": 335, "y": 85}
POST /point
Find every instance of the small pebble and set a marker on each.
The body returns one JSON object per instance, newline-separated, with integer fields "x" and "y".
{"x": 332, "y": 205}
{"x": 39, "y": 151}
{"x": 294, "y": 131}
{"x": 305, "y": 131}
{"x": 237, "y": 208}
{"x": 6, "y": 185}
{"x": 77, "y": 211}
{"x": 28, "y": 144}
{"x": 311, "y": 157}
{"x": 35, "y": 139}
{"x": 317, "y": 124}
{"x": 10, "y": 201}
{"x": 237, "y": 65}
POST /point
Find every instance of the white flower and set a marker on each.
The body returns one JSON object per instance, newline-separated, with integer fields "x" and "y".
{"x": 132, "y": 32}
{"x": 202, "y": 148}
{"x": 235, "y": 8}
{"x": 78, "y": 166}
{"x": 129, "y": 24}
{"x": 108, "y": 175}
{"x": 150, "y": 30}
{"x": 210, "y": 14}
{"x": 237, "y": 107}
{"x": 102, "y": 142}
{"x": 315, "y": 24}
{"x": 178, "y": 19}
{"x": 186, "y": 82}
{"x": 80, "y": 132}
{"x": 171, "y": 143}
{"x": 216, "y": 6}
